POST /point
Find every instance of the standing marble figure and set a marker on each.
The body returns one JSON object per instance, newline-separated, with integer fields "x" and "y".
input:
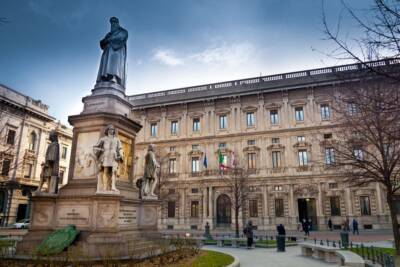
{"x": 50, "y": 168}
{"x": 113, "y": 60}
{"x": 109, "y": 154}
{"x": 150, "y": 174}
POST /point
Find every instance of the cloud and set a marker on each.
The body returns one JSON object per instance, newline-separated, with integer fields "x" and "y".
{"x": 226, "y": 54}
{"x": 232, "y": 54}
{"x": 167, "y": 57}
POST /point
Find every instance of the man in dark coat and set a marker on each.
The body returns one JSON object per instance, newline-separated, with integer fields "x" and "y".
{"x": 248, "y": 231}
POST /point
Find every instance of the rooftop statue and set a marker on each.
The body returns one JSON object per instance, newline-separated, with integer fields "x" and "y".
{"x": 113, "y": 61}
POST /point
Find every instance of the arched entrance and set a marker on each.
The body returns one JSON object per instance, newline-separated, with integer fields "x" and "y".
{"x": 224, "y": 211}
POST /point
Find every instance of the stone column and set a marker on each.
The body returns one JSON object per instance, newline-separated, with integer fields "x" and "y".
{"x": 210, "y": 207}
{"x": 182, "y": 208}
{"x": 205, "y": 200}
{"x": 348, "y": 202}
{"x": 379, "y": 199}
{"x": 320, "y": 213}
{"x": 265, "y": 205}
{"x": 291, "y": 206}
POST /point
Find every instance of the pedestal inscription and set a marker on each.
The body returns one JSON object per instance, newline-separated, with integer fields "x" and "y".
{"x": 77, "y": 215}
{"x": 127, "y": 216}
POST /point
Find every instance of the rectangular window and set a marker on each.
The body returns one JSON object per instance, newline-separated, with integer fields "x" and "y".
{"x": 333, "y": 185}
{"x": 352, "y": 108}
{"x": 253, "y": 208}
{"x": 195, "y": 190}
{"x": 222, "y": 145}
{"x": 328, "y": 136}
{"x": 194, "y": 209}
{"x": 28, "y": 170}
{"x": 172, "y": 166}
{"x": 329, "y": 156}
{"x": 153, "y": 129}
{"x": 64, "y": 152}
{"x": 60, "y": 181}
{"x": 174, "y": 127}
{"x": 251, "y": 119}
{"x": 223, "y": 122}
{"x": 171, "y": 209}
{"x": 196, "y": 125}
{"x": 365, "y": 205}
{"x": 172, "y": 148}
{"x": 195, "y": 147}
{"x": 335, "y": 206}
{"x": 5, "y": 168}
{"x": 11, "y": 137}
{"x": 251, "y": 142}
{"x": 279, "y": 209}
{"x": 325, "y": 112}
{"x": 303, "y": 160}
{"x": 276, "y": 159}
{"x": 278, "y": 188}
{"x": 275, "y": 140}
{"x": 299, "y": 114}
{"x": 273, "y": 114}
{"x": 195, "y": 164}
{"x": 358, "y": 154}
{"x": 251, "y": 160}
{"x": 171, "y": 191}
{"x": 301, "y": 138}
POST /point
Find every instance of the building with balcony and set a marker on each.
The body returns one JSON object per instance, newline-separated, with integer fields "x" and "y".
{"x": 277, "y": 127}
{"x": 24, "y": 130}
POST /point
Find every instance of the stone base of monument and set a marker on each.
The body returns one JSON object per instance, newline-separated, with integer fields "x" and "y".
{"x": 110, "y": 225}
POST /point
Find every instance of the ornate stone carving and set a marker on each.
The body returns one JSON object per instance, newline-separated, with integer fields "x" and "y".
{"x": 306, "y": 190}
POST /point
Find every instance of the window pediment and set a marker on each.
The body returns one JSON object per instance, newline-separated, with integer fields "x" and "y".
{"x": 302, "y": 145}
{"x": 299, "y": 102}
{"x": 196, "y": 153}
{"x": 276, "y": 147}
{"x": 154, "y": 119}
{"x": 195, "y": 114}
{"x": 173, "y": 154}
{"x": 273, "y": 105}
{"x": 249, "y": 108}
{"x": 251, "y": 149}
{"x": 323, "y": 99}
{"x": 223, "y": 111}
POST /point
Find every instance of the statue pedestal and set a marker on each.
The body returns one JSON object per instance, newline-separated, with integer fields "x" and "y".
{"x": 111, "y": 223}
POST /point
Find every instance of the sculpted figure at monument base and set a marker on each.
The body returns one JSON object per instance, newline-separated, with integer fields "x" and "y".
{"x": 109, "y": 154}
{"x": 149, "y": 182}
{"x": 50, "y": 168}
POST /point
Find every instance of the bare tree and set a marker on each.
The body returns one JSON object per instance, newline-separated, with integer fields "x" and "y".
{"x": 367, "y": 111}
{"x": 237, "y": 180}
{"x": 367, "y": 144}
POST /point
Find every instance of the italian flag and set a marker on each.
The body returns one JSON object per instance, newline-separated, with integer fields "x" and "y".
{"x": 221, "y": 162}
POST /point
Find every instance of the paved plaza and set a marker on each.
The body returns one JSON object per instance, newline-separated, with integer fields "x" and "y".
{"x": 261, "y": 257}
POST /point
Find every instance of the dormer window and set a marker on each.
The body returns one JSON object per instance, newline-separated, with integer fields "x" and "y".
{"x": 301, "y": 138}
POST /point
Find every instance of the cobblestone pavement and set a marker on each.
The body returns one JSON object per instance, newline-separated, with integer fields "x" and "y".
{"x": 261, "y": 257}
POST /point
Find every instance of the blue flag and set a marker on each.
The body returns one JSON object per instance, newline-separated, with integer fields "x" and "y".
{"x": 205, "y": 163}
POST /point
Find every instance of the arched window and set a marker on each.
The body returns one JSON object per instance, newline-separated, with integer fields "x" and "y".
{"x": 32, "y": 141}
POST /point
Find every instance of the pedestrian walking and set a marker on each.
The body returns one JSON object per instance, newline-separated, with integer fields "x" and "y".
{"x": 306, "y": 228}
{"x": 281, "y": 229}
{"x": 355, "y": 227}
{"x": 330, "y": 225}
{"x": 248, "y": 231}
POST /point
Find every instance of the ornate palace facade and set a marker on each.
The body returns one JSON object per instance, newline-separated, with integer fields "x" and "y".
{"x": 24, "y": 131}
{"x": 277, "y": 127}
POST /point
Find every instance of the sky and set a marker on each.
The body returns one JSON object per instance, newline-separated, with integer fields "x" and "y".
{"x": 49, "y": 49}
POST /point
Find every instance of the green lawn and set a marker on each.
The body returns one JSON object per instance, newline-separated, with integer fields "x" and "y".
{"x": 213, "y": 259}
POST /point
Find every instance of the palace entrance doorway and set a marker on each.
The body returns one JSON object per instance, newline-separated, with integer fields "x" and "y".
{"x": 307, "y": 211}
{"x": 224, "y": 211}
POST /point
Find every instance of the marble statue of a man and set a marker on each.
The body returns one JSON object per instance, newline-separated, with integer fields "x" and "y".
{"x": 113, "y": 60}
{"x": 109, "y": 154}
{"x": 50, "y": 168}
{"x": 150, "y": 174}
